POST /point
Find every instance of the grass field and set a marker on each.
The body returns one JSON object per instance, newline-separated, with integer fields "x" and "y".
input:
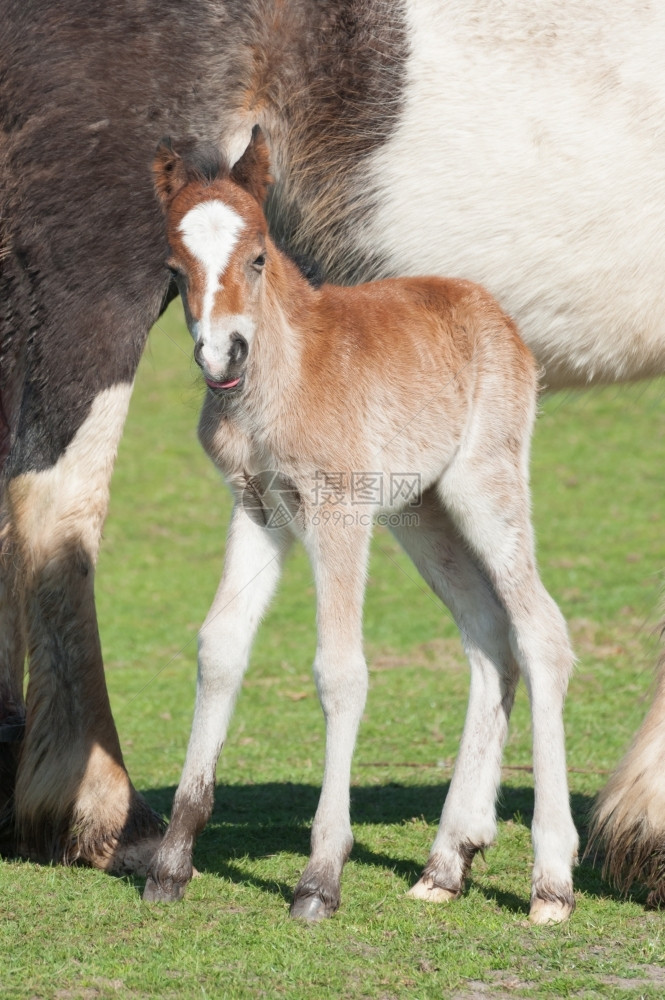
{"x": 73, "y": 933}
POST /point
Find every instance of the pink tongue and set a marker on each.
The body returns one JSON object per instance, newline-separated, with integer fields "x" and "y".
{"x": 222, "y": 385}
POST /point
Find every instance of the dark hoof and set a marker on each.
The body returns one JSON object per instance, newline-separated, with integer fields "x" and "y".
{"x": 312, "y": 908}
{"x": 11, "y": 734}
{"x": 656, "y": 898}
{"x": 316, "y": 896}
{"x": 167, "y": 891}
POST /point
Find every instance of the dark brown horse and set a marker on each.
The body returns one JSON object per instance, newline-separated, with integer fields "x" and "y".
{"x": 517, "y": 145}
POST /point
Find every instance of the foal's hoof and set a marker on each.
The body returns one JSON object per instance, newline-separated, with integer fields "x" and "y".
{"x": 167, "y": 891}
{"x": 427, "y": 889}
{"x": 550, "y": 911}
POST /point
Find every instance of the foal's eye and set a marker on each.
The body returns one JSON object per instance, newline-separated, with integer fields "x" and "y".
{"x": 259, "y": 262}
{"x": 174, "y": 271}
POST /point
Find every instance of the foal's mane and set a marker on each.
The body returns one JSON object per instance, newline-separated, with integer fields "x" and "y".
{"x": 204, "y": 162}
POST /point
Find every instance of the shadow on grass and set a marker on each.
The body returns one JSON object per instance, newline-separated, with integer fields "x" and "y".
{"x": 255, "y": 821}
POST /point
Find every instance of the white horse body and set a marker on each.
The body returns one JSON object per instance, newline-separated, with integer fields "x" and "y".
{"x": 530, "y": 157}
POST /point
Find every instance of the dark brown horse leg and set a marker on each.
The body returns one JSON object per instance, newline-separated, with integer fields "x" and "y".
{"x": 12, "y": 656}
{"x": 73, "y": 797}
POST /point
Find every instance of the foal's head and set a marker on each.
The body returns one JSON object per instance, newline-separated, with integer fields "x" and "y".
{"x": 217, "y": 236}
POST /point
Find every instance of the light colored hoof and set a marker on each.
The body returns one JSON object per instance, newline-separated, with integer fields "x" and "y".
{"x": 550, "y": 911}
{"x": 426, "y": 889}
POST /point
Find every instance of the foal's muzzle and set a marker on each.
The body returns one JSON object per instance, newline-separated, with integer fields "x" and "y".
{"x": 239, "y": 349}
{"x": 232, "y": 378}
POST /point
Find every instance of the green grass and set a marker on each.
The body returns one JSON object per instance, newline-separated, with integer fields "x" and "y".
{"x": 73, "y": 933}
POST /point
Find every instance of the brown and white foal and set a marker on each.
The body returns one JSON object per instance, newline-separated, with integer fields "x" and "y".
{"x": 342, "y": 393}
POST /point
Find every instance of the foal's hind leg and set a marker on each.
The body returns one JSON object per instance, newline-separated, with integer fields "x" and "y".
{"x": 488, "y": 499}
{"x": 468, "y": 820}
{"x": 73, "y": 797}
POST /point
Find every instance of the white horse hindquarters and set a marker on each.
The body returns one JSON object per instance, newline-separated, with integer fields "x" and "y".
{"x": 543, "y": 155}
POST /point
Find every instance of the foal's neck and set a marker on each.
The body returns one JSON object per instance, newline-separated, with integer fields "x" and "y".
{"x": 288, "y": 320}
{"x": 289, "y": 310}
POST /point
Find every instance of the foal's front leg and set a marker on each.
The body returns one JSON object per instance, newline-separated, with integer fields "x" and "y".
{"x": 339, "y": 559}
{"x": 252, "y": 567}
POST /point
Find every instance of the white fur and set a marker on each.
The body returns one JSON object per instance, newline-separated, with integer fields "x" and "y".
{"x": 210, "y": 232}
{"x": 469, "y": 811}
{"x": 529, "y": 157}
{"x": 237, "y": 141}
{"x": 70, "y": 499}
{"x": 217, "y": 342}
{"x": 251, "y": 571}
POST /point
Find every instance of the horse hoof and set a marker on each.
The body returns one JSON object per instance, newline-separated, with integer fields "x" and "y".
{"x": 311, "y": 908}
{"x": 425, "y": 888}
{"x": 167, "y": 891}
{"x": 550, "y": 911}
{"x": 127, "y": 850}
{"x": 134, "y": 858}
{"x": 656, "y": 898}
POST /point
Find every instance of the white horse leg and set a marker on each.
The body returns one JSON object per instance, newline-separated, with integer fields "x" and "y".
{"x": 496, "y": 524}
{"x": 339, "y": 558}
{"x": 468, "y": 820}
{"x": 252, "y": 567}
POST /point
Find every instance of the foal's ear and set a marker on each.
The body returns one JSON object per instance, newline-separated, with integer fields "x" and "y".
{"x": 252, "y": 170}
{"x": 169, "y": 170}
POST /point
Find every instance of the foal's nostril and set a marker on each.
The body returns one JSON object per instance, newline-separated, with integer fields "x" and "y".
{"x": 239, "y": 349}
{"x": 198, "y": 351}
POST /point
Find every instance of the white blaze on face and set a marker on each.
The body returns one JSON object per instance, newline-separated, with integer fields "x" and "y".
{"x": 210, "y": 232}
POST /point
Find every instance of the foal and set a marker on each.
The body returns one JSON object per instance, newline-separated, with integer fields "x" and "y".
{"x": 346, "y": 394}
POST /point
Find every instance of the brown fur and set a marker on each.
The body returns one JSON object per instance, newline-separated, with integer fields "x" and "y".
{"x": 423, "y": 374}
{"x": 437, "y": 326}
{"x": 82, "y": 280}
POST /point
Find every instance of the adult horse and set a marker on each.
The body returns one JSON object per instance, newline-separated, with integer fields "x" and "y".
{"x": 519, "y": 145}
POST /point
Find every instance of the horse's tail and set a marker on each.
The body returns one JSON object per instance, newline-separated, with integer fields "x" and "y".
{"x": 629, "y": 816}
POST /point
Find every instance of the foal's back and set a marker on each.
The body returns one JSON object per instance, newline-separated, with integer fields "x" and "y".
{"x": 428, "y": 347}
{"x": 429, "y": 322}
